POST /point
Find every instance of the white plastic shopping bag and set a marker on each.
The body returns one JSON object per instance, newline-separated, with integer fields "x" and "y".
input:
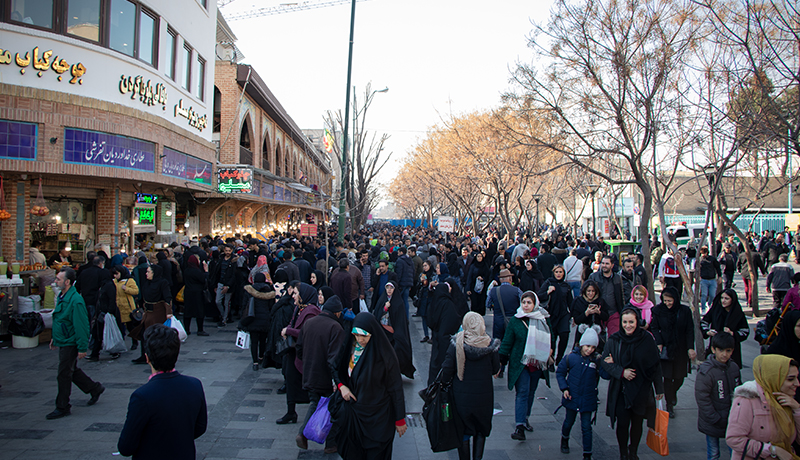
{"x": 243, "y": 340}
{"x": 363, "y": 306}
{"x": 176, "y": 324}
{"x": 112, "y": 337}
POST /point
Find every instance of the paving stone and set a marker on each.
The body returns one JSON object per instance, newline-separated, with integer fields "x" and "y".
{"x": 253, "y": 403}
{"x": 105, "y": 427}
{"x": 244, "y": 418}
{"x": 11, "y": 416}
{"x": 18, "y": 433}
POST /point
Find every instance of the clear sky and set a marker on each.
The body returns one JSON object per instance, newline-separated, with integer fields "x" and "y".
{"x": 438, "y": 57}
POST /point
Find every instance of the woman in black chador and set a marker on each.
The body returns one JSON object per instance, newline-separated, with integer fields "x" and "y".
{"x": 369, "y": 406}
{"x": 390, "y": 311}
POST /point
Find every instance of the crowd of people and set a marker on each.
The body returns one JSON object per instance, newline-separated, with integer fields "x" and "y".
{"x": 335, "y": 321}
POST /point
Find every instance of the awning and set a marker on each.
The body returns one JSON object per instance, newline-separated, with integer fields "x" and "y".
{"x": 300, "y": 187}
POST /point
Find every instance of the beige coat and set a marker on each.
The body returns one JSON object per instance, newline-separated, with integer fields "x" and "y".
{"x": 126, "y": 300}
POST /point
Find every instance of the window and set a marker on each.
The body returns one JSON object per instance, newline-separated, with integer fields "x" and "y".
{"x": 83, "y": 19}
{"x": 33, "y": 12}
{"x": 169, "y": 64}
{"x": 122, "y": 27}
{"x": 187, "y": 67}
{"x": 201, "y": 79}
{"x": 147, "y": 37}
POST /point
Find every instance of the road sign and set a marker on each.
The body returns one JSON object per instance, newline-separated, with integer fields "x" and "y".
{"x": 636, "y": 209}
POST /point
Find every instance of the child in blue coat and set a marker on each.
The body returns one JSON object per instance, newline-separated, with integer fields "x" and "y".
{"x": 578, "y": 375}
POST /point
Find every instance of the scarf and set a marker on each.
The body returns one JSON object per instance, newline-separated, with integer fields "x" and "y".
{"x": 644, "y": 307}
{"x": 261, "y": 267}
{"x": 537, "y": 345}
{"x": 721, "y": 318}
{"x": 358, "y": 350}
{"x": 474, "y": 335}
{"x": 770, "y": 371}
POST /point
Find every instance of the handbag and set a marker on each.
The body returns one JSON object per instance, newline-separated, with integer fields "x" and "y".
{"x": 445, "y": 429}
{"x": 283, "y": 345}
{"x": 137, "y": 314}
{"x": 657, "y": 438}
{"x": 478, "y": 286}
{"x": 319, "y": 425}
{"x": 179, "y": 295}
{"x": 663, "y": 355}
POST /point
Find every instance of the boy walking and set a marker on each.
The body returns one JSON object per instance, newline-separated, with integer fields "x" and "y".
{"x": 713, "y": 390}
{"x": 577, "y": 377}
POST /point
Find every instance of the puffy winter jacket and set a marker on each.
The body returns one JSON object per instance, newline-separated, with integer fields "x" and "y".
{"x": 404, "y": 267}
{"x": 713, "y": 391}
{"x": 579, "y": 374}
{"x": 750, "y": 420}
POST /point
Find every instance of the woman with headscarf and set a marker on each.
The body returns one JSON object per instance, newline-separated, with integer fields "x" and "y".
{"x": 305, "y": 299}
{"x": 788, "y": 341}
{"x": 589, "y": 311}
{"x": 194, "y": 279}
{"x": 442, "y": 272}
{"x": 640, "y": 299}
{"x": 473, "y": 357}
{"x": 318, "y": 279}
{"x": 726, "y": 315}
{"x": 157, "y": 301}
{"x": 323, "y": 294}
{"x": 127, "y": 290}
{"x": 631, "y": 359}
{"x": 261, "y": 267}
{"x": 673, "y": 328}
{"x": 139, "y": 276}
{"x": 527, "y": 350}
{"x": 390, "y": 311}
{"x": 425, "y": 298}
{"x": 531, "y": 278}
{"x": 369, "y": 405}
{"x": 559, "y": 300}
{"x": 280, "y": 315}
{"x": 262, "y": 295}
{"x": 765, "y": 417}
{"x": 444, "y": 321}
{"x": 479, "y": 270}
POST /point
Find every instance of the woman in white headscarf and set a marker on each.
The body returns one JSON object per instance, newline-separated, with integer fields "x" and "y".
{"x": 473, "y": 358}
{"x": 527, "y": 350}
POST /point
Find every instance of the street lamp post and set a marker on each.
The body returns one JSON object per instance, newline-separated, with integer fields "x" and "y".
{"x": 536, "y": 198}
{"x": 346, "y": 121}
{"x": 593, "y": 188}
{"x": 711, "y": 174}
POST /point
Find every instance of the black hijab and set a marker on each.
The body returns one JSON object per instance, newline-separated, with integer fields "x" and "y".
{"x": 157, "y": 289}
{"x": 308, "y": 295}
{"x": 327, "y": 293}
{"x": 787, "y": 343}
{"x": 459, "y": 299}
{"x": 719, "y": 318}
{"x": 320, "y": 280}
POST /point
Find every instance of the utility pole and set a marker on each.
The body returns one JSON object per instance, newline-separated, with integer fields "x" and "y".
{"x": 346, "y": 122}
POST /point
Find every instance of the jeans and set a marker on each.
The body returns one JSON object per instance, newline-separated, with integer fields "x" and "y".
{"x": 586, "y": 428}
{"x": 404, "y": 292}
{"x": 68, "y": 373}
{"x": 223, "y": 302}
{"x": 708, "y": 291}
{"x": 576, "y": 288}
{"x": 712, "y": 448}
{"x": 526, "y": 389}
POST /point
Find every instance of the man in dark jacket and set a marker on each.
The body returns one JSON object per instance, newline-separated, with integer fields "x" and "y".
{"x": 303, "y": 267}
{"x": 90, "y": 280}
{"x": 546, "y": 261}
{"x": 404, "y": 267}
{"x": 285, "y": 257}
{"x": 317, "y": 347}
{"x": 168, "y": 413}
{"x": 224, "y": 275}
{"x": 341, "y": 280}
{"x": 713, "y": 391}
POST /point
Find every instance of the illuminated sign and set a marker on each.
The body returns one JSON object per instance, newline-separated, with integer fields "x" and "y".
{"x": 235, "y": 180}
{"x": 144, "y": 198}
{"x": 145, "y": 216}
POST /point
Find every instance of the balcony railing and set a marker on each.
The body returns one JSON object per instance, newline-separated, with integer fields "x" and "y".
{"x": 245, "y": 156}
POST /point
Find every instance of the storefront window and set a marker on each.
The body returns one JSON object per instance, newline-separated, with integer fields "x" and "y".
{"x": 147, "y": 34}
{"x": 123, "y": 26}
{"x": 68, "y": 221}
{"x": 34, "y": 12}
{"x": 83, "y": 19}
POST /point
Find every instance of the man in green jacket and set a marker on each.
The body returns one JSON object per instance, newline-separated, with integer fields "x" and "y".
{"x": 71, "y": 336}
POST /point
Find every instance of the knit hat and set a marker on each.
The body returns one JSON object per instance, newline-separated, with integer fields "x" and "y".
{"x": 590, "y": 338}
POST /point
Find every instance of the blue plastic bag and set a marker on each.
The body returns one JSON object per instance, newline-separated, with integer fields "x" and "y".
{"x": 319, "y": 425}
{"x": 349, "y": 315}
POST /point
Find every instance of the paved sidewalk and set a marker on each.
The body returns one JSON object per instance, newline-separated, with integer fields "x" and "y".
{"x": 243, "y": 407}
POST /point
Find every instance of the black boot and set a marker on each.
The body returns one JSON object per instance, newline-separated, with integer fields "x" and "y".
{"x": 463, "y": 450}
{"x": 633, "y": 453}
{"x": 478, "y": 444}
{"x": 519, "y": 433}
{"x": 564, "y": 445}
{"x": 587, "y": 456}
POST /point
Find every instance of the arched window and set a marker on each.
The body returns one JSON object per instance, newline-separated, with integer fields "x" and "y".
{"x": 265, "y": 154}
{"x": 217, "y": 111}
{"x": 278, "y": 163}
{"x": 245, "y": 154}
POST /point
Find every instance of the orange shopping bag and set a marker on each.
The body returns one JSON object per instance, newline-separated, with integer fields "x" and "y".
{"x": 657, "y": 439}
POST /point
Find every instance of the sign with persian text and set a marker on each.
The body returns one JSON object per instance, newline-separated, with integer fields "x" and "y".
{"x": 103, "y": 149}
{"x": 183, "y": 166}
{"x": 235, "y": 180}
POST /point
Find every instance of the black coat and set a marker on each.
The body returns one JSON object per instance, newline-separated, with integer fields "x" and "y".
{"x": 263, "y": 295}
{"x": 578, "y": 309}
{"x": 165, "y": 416}
{"x": 475, "y": 394}
{"x": 674, "y": 330}
{"x": 318, "y": 346}
{"x": 194, "y": 280}
{"x": 558, "y": 304}
{"x": 89, "y": 282}
{"x": 444, "y": 321}
{"x": 280, "y": 315}
{"x": 367, "y": 425}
